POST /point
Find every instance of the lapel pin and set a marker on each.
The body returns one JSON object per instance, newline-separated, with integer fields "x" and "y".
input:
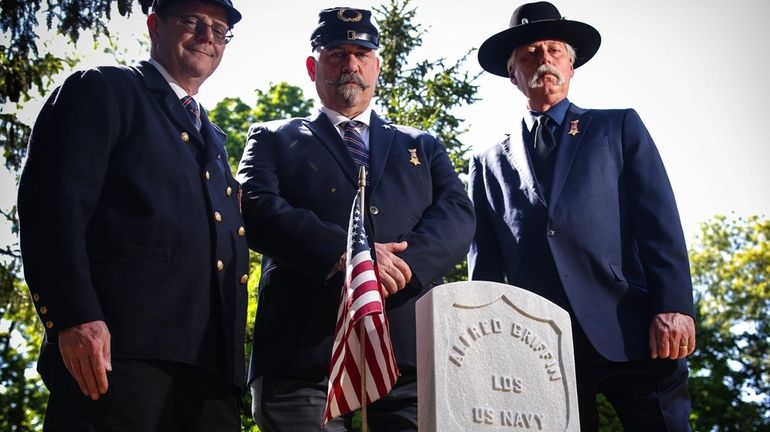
{"x": 573, "y": 127}
{"x": 413, "y": 157}
{"x": 185, "y": 136}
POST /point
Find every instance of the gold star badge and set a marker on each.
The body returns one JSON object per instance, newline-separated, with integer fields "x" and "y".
{"x": 573, "y": 127}
{"x": 413, "y": 157}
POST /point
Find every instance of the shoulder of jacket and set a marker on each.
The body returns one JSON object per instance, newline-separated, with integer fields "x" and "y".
{"x": 277, "y": 125}
{"x": 493, "y": 148}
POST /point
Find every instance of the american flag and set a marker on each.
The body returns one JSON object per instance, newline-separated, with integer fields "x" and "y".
{"x": 361, "y": 302}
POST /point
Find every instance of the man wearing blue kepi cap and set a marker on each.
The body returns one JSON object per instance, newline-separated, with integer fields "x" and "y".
{"x": 299, "y": 180}
{"x": 132, "y": 240}
{"x": 575, "y": 205}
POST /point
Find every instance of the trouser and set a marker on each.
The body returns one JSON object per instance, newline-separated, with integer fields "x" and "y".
{"x": 296, "y": 401}
{"x": 145, "y": 396}
{"x": 648, "y": 395}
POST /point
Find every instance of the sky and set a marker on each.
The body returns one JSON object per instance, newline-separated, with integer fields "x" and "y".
{"x": 695, "y": 70}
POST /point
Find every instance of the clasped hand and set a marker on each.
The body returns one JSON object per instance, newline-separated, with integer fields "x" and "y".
{"x": 394, "y": 272}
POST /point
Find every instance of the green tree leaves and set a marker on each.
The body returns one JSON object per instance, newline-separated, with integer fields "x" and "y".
{"x": 730, "y": 371}
{"x": 422, "y": 94}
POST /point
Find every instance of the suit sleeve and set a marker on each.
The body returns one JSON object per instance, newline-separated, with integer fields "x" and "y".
{"x": 60, "y": 186}
{"x": 484, "y": 255}
{"x": 444, "y": 232}
{"x": 655, "y": 219}
{"x": 294, "y": 236}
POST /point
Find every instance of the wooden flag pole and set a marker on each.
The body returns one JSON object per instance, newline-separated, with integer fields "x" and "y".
{"x": 361, "y": 327}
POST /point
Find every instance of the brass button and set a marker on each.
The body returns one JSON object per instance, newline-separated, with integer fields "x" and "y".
{"x": 49, "y": 324}
{"x": 374, "y": 210}
{"x": 217, "y": 217}
{"x": 185, "y": 136}
{"x": 244, "y": 279}
{"x": 220, "y": 265}
{"x": 206, "y": 175}
{"x": 229, "y": 191}
{"x": 241, "y": 232}
{"x": 43, "y": 310}
{"x": 36, "y": 297}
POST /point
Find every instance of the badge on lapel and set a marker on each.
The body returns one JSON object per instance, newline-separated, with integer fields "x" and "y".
{"x": 413, "y": 157}
{"x": 573, "y": 127}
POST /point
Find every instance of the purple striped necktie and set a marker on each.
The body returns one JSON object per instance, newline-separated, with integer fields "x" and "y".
{"x": 192, "y": 110}
{"x": 355, "y": 144}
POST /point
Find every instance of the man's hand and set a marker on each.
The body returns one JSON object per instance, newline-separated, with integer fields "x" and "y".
{"x": 394, "y": 272}
{"x": 85, "y": 349}
{"x": 672, "y": 336}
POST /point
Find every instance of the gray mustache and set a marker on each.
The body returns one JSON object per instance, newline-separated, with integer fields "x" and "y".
{"x": 543, "y": 69}
{"x": 345, "y": 78}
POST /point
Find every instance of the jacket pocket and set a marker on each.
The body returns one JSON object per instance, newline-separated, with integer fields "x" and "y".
{"x": 631, "y": 277}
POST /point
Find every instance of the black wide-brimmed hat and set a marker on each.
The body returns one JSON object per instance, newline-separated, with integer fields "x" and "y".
{"x": 343, "y": 25}
{"x": 233, "y": 16}
{"x": 532, "y": 22}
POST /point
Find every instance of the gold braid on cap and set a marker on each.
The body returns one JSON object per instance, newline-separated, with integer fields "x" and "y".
{"x": 356, "y": 18}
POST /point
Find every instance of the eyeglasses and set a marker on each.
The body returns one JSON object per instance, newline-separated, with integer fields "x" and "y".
{"x": 191, "y": 24}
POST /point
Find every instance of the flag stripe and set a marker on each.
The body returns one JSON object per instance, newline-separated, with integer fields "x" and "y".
{"x": 361, "y": 304}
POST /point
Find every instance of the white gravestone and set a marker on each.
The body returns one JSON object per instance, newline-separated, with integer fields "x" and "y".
{"x": 494, "y": 357}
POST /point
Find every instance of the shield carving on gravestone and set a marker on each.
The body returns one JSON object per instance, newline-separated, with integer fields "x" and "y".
{"x": 494, "y": 357}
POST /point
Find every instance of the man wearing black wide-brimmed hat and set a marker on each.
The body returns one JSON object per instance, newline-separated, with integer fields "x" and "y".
{"x": 299, "y": 179}
{"x": 133, "y": 242}
{"x": 575, "y": 205}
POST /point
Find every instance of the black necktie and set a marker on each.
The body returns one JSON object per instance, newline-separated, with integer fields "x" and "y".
{"x": 192, "y": 110}
{"x": 544, "y": 141}
{"x": 544, "y": 145}
{"x": 355, "y": 144}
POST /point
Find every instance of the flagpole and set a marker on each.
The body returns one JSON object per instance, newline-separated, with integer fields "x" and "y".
{"x": 361, "y": 328}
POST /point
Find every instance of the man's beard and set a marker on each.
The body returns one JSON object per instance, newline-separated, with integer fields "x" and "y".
{"x": 536, "y": 81}
{"x": 346, "y": 90}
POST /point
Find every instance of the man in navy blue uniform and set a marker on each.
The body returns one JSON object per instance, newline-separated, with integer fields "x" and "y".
{"x": 575, "y": 205}
{"x": 132, "y": 239}
{"x": 299, "y": 180}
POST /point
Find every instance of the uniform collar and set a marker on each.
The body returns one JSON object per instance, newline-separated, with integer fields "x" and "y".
{"x": 337, "y": 118}
{"x": 178, "y": 90}
{"x": 556, "y": 113}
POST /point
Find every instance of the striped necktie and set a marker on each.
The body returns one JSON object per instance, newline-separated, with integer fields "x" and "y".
{"x": 355, "y": 144}
{"x": 192, "y": 110}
